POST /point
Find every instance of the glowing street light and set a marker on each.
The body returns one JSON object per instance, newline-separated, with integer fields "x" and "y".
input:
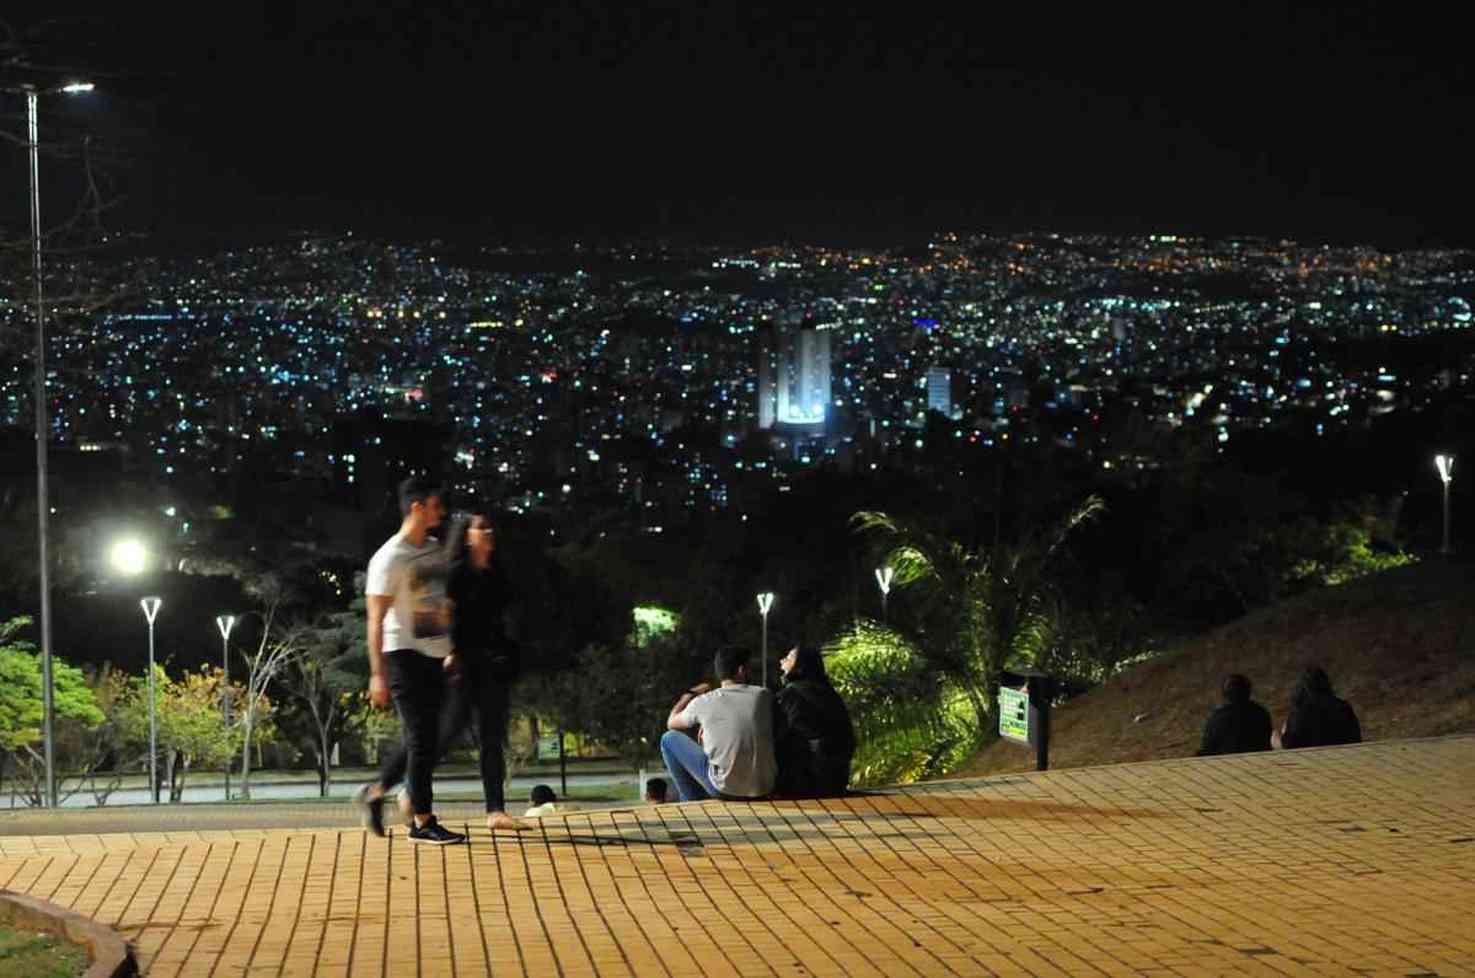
{"x": 43, "y": 504}
{"x": 883, "y": 581}
{"x": 129, "y": 557}
{"x": 765, "y": 602}
{"x": 1445, "y": 465}
{"x": 150, "y": 606}
{"x": 225, "y": 623}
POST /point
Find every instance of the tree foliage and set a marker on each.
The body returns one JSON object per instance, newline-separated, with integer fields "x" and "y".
{"x": 975, "y": 612}
{"x": 190, "y": 718}
{"x": 21, "y": 713}
{"x": 912, "y": 720}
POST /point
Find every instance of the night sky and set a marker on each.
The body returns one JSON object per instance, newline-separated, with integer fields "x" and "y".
{"x": 792, "y": 121}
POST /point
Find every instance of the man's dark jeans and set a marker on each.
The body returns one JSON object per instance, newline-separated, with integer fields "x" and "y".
{"x": 417, "y": 686}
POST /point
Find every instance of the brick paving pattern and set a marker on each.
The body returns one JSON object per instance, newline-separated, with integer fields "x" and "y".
{"x": 1330, "y": 862}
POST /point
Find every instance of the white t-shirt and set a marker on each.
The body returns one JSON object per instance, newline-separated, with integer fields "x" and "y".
{"x": 415, "y": 577}
{"x": 737, "y": 737}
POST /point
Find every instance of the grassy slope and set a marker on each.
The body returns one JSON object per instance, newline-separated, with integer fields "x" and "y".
{"x": 26, "y": 954}
{"x": 1400, "y": 646}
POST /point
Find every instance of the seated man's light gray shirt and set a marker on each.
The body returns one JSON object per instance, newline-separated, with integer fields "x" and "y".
{"x": 737, "y": 736}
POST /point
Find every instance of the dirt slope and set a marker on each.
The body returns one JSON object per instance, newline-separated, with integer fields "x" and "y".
{"x": 1400, "y": 646}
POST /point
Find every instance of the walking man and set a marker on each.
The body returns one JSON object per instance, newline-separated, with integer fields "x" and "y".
{"x": 409, "y": 638}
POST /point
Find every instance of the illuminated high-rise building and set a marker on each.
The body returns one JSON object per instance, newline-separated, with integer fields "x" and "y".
{"x": 940, "y": 390}
{"x": 794, "y": 378}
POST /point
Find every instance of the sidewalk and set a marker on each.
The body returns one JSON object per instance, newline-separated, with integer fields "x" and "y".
{"x": 1329, "y": 862}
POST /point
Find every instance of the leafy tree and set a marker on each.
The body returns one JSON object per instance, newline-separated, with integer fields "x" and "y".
{"x": 370, "y": 724}
{"x": 271, "y": 656}
{"x": 21, "y": 714}
{"x": 323, "y": 682}
{"x": 103, "y": 747}
{"x": 190, "y": 720}
{"x": 975, "y": 612}
{"x": 912, "y": 721}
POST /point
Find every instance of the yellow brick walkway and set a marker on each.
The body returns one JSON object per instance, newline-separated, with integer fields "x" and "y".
{"x": 1332, "y": 862}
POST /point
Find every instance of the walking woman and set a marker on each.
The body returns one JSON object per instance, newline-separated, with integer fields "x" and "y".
{"x": 484, "y": 662}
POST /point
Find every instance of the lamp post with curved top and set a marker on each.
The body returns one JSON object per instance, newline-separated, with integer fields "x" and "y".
{"x": 883, "y": 581}
{"x": 225, "y": 623}
{"x": 150, "y": 606}
{"x": 1445, "y": 465}
{"x": 765, "y": 602}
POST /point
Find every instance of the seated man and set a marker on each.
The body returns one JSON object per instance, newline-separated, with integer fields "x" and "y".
{"x": 734, "y": 758}
{"x": 655, "y": 791}
{"x": 1240, "y": 725}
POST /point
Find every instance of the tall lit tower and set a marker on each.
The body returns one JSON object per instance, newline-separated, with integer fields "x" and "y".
{"x": 794, "y": 378}
{"x": 940, "y": 391}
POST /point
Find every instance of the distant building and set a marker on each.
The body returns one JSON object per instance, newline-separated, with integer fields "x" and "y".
{"x": 794, "y": 378}
{"x": 940, "y": 391}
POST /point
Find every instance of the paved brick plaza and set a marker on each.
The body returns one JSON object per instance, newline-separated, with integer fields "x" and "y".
{"x": 1332, "y": 862}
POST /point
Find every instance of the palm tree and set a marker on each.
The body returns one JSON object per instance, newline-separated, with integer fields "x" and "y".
{"x": 976, "y": 612}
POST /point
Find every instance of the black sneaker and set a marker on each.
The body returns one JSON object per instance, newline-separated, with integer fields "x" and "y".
{"x": 435, "y": 834}
{"x": 371, "y": 810}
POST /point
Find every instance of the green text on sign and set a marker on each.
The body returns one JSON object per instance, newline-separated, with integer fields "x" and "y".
{"x": 1014, "y": 715}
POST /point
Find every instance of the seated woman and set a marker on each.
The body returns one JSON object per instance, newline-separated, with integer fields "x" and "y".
{"x": 1318, "y": 717}
{"x": 813, "y": 737}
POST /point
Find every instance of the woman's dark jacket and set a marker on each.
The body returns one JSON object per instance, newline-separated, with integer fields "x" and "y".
{"x": 813, "y": 740}
{"x": 480, "y": 598}
{"x": 1321, "y": 720}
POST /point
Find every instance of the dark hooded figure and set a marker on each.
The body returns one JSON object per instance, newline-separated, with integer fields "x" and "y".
{"x": 1238, "y": 726}
{"x": 813, "y": 738}
{"x": 1318, "y": 718}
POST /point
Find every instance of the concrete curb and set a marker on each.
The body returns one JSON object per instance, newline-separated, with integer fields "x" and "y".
{"x": 110, "y": 955}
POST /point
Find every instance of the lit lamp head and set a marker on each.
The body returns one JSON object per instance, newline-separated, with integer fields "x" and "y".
{"x": 150, "y": 606}
{"x": 225, "y": 623}
{"x": 765, "y": 602}
{"x": 129, "y": 557}
{"x": 883, "y": 578}
{"x": 1446, "y": 466}
{"x": 77, "y": 88}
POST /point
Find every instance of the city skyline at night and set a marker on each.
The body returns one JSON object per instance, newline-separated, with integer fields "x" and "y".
{"x": 634, "y": 377}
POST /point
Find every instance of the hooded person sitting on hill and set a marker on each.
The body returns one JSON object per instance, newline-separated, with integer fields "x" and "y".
{"x": 1318, "y": 717}
{"x": 1239, "y": 725}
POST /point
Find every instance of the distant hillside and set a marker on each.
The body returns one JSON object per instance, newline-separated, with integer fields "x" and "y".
{"x": 1400, "y": 646}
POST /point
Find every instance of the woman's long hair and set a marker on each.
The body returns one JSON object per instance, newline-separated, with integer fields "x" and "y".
{"x": 1314, "y": 683}
{"x": 457, "y": 546}
{"x": 809, "y": 664}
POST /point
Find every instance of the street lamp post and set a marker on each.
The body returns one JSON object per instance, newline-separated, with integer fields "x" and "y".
{"x": 883, "y": 580}
{"x": 225, "y": 623}
{"x": 765, "y": 602}
{"x": 150, "y": 607}
{"x": 1445, "y": 465}
{"x": 43, "y": 504}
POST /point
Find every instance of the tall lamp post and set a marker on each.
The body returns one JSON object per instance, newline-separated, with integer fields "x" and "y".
{"x": 1445, "y": 464}
{"x": 883, "y": 581}
{"x": 225, "y": 623}
{"x": 43, "y": 504}
{"x": 150, "y": 607}
{"x": 765, "y": 602}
